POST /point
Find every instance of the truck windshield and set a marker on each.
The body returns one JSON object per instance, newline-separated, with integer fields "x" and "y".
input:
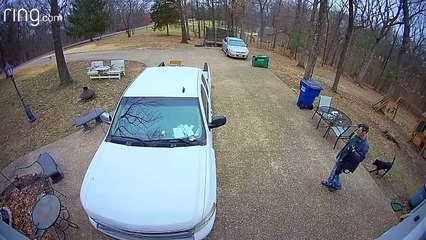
{"x": 158, "y": 118}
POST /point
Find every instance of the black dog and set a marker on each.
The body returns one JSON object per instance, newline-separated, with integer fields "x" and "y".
{"x": 382, "y": 165}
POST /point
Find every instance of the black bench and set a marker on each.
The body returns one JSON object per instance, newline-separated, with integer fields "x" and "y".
{"x": 84, "y": 120}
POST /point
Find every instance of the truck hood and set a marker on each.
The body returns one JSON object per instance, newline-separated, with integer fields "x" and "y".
{"x": 144, "y": 188}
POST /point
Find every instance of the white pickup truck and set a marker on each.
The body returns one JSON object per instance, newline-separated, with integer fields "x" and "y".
{"x": 154, "y": 174}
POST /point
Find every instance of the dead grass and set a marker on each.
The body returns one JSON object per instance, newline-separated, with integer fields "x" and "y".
{"x": 140, "y": 40}
{"x": 408, "y": 173}
{"x": 55, "y": 106}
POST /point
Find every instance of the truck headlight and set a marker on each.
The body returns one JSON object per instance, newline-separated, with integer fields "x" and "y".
{"x": 206, "y": 219}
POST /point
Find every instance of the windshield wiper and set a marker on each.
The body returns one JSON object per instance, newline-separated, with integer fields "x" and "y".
{"x": 187, "y": 141}
{"x": 127, "y": 140}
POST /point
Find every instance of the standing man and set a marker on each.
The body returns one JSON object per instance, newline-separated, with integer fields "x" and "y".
{"x": 348, "y": 159}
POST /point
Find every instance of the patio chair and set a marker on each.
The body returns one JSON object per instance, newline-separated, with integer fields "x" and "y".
{"x": 117, "y": 67}
{"x": 324, "y": 101}
{"x": 343, "y": 133}
{"x": 95, "y": 64}
{"x": 49, "y": 167}
{"x": 91, "y": 71}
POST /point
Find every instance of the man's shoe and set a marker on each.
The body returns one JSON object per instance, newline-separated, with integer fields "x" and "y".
{"x": 330, "y": 187}
{"x": 334, "y": 189}
{"x": 324, "y": 183}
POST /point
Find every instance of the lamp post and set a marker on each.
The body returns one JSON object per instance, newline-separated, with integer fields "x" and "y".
{"x": 8, "y": 69}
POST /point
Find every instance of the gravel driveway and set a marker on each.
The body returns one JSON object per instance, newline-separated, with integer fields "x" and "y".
{"x": 270, "y": 159}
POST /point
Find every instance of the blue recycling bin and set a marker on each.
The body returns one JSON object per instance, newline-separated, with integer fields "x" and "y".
{"x": 418, "y": 197}
{"x": 309, "y": 90}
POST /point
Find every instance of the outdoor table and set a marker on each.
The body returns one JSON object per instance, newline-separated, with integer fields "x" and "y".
{"x": 333, "y": 117}
{"x": 102, "y": 69}
{"x": 46, "y": 211}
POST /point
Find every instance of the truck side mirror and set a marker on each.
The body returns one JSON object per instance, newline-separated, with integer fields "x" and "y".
{"x": 106, "y": 118}
{"x": 217, "y": 121}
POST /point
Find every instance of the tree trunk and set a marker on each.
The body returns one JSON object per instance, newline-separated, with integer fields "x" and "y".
{"x": 308, "y": 38}
{"x": 309, "y": 70}
{"x": 402, "y": 50}
{"x": 275, "y": 39}
{"x": 348, "y": 38}
{"x": 204, "y": 28}
{"x": 366, "y": 64}
{"x": 182, "y": 22}
{"x": 262, "y": 24}
{"x": 385, "y": 63}
{"x": 335, "y": 52}
{"x": 198, "y": 20}
{"x": 275, "y": 14}
{"x": 193, "y": 27}
{"x": 331, "y": 49}
{"x": 64, "y": 75}
{"x": 188, "y": 36}
{"x": 295, "y": 36}
{"x": 167, "y": 28}
{"x": 213, "y": 22}
{"x": 326, "y": 39}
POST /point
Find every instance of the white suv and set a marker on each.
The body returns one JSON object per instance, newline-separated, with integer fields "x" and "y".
{"x": 154, "y": 174}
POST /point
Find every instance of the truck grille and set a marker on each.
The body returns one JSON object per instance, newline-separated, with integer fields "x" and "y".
{"x": 186, "y": 234}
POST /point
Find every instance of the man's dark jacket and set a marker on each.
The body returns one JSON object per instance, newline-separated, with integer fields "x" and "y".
{"x": 353, "y": 153}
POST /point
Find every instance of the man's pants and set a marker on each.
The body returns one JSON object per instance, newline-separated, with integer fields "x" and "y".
{"x": 334, "y": 179}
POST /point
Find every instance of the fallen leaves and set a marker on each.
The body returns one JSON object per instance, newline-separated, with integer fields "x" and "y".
{"x": 21, "y": 202}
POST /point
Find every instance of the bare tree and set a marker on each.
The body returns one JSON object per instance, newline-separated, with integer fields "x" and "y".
{"x": 262, "y": 6}
{"x": 182, "y": 15}
{"x": 126, "y": 14}
{"x": 405, "y": 43}
{"x": 211, "y": 5}
{"x": 382, "y": 16}
{"x": 64, "y": 74}
{"x": 295, "y": 35}
{"x": 240, "y": 15}
{"x": 230, "y": 8}
{"x": 188, "y": 37}
{"x": 309, "y": 36}
{"x": 348, "y": 38}
{"x": 334, "y": 36}
{"x": 277, "y": 20}
{"x": 309, "y": 70}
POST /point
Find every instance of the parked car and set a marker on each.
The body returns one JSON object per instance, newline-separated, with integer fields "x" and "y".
{"x": 235, "y": 47}
{"x": 154, "y": 174}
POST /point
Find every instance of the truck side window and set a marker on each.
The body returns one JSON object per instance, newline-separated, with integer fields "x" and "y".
{"x": 205, "y": 103}
{"x": 203, "y": 79}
